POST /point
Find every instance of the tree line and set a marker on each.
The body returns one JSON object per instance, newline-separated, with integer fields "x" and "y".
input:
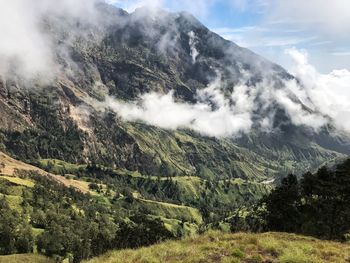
{"x": 316, "y": 205}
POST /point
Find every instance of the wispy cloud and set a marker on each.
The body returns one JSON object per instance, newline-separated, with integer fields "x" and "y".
{"x": 283, "y": 41}
{"x": 341, "y": 53}
{"x": 255, "y": 36}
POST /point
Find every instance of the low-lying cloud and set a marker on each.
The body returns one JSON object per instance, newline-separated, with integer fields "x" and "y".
{"x": 213, "y": 115}
{"x": 312, "y": 100}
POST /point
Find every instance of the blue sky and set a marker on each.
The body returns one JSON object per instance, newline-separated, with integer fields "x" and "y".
{"x": 269, "y": 27}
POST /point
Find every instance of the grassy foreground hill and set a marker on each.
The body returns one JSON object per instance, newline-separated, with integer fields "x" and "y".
{"x": 223, "y": 247}
{"x": 240, "y": 247}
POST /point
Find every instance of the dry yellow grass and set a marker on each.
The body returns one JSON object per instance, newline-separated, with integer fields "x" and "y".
{"x": 240, "y": 247}
{"x": 11, "y": 165}
{"x": 25, "y": 258}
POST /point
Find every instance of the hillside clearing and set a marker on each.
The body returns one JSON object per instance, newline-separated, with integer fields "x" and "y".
{"x": 11, "y": 165}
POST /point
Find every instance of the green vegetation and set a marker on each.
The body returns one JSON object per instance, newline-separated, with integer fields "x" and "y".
{"x": 172, "y": 197}
{"x": 18, "y": 181}
{"x": 51, "y": 137}
{"x": 240, "y": 247}
{"x": 60, "y": 167}
{"x": 63, "y": 223}
{"x": 58, "y": 141}
{"x": 25, "y": 258}
{"x": 131, "y": 210}
{"x": 112, "y": 184}
{"x": 317, "y": 205}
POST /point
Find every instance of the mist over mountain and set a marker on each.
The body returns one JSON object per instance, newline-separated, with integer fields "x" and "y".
{"x": 120, "y": 130}
{"x": 153, "y": 91}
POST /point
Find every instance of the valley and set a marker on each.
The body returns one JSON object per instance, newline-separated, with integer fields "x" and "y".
{"x": 144, "y": 136}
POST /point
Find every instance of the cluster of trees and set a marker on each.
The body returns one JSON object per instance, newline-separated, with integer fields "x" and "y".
{"x": 74, "y": 225}
{"x": 15, "y": 233}
{"x": 316, "y": 205}
{"x": 77, "y": 226}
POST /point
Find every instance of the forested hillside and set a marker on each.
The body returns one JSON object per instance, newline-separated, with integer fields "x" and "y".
{"x": 147, "y": 126}
{"x": 99, "y": 209}
{"x": 118, "y": 59}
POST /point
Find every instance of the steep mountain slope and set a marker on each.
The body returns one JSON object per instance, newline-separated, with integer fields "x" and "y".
{"x": 125, "y": 55}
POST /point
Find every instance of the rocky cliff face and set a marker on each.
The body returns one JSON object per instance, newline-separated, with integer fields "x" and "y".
{"x": 126, "y": 55}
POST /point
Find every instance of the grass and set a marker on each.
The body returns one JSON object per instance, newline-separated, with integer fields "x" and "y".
{"x": 240, "y": 247}
{"x": 19, "y": 181}
{"x": 172, "y": 211}
{"x": 11, "y": 165}
{"x": 59, "y": 166}
{"x": 37, "y": 231}
{"x": 14, "y": 201}
{"x": 25, "y": 258}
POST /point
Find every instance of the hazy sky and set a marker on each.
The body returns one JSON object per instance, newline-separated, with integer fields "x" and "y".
{"x": 269, "y": 27}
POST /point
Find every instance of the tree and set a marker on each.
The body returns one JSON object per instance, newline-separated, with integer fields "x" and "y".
{"x": 318, "y": 205}
{"x": 15, "y": 234}
{"x": 141, "y": 231}
{"x": 2, "y": 166}
{"x": 282, "y": 206}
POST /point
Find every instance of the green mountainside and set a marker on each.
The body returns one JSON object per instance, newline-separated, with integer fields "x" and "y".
{"x": 92, "y": 209}
{"x": 123, "y": 60}
{"x": 84, "y": 210}
{"x": 77, "y": 180}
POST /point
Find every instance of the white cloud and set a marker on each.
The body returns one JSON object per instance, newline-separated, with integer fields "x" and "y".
{"x": 313, "y": 101}
{"x": 255, "y": 36}
{"x": 298, "y": 115}
{"x": 131, "y": 5}
{"x": 25, "y": 49}
{"x": 22, "y": 46}
{"x": 328, "y": 93}
{"x": 193, "y": 42}
{"x": 331, "y": 17}
{"x": 163, "y": 111}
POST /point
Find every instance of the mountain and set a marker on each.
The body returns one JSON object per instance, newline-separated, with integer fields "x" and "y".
{"x": 123, "y": 56}
{"x": 147, "y": 126}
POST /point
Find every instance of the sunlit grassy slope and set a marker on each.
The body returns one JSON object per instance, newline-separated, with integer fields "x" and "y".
{"x": 221, "y": 247}
{"x": 241, "y": 247}
{"x": 25, "y": 258}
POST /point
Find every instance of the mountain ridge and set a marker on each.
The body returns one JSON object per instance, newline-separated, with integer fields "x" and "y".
{"x": 125, "y": 60}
